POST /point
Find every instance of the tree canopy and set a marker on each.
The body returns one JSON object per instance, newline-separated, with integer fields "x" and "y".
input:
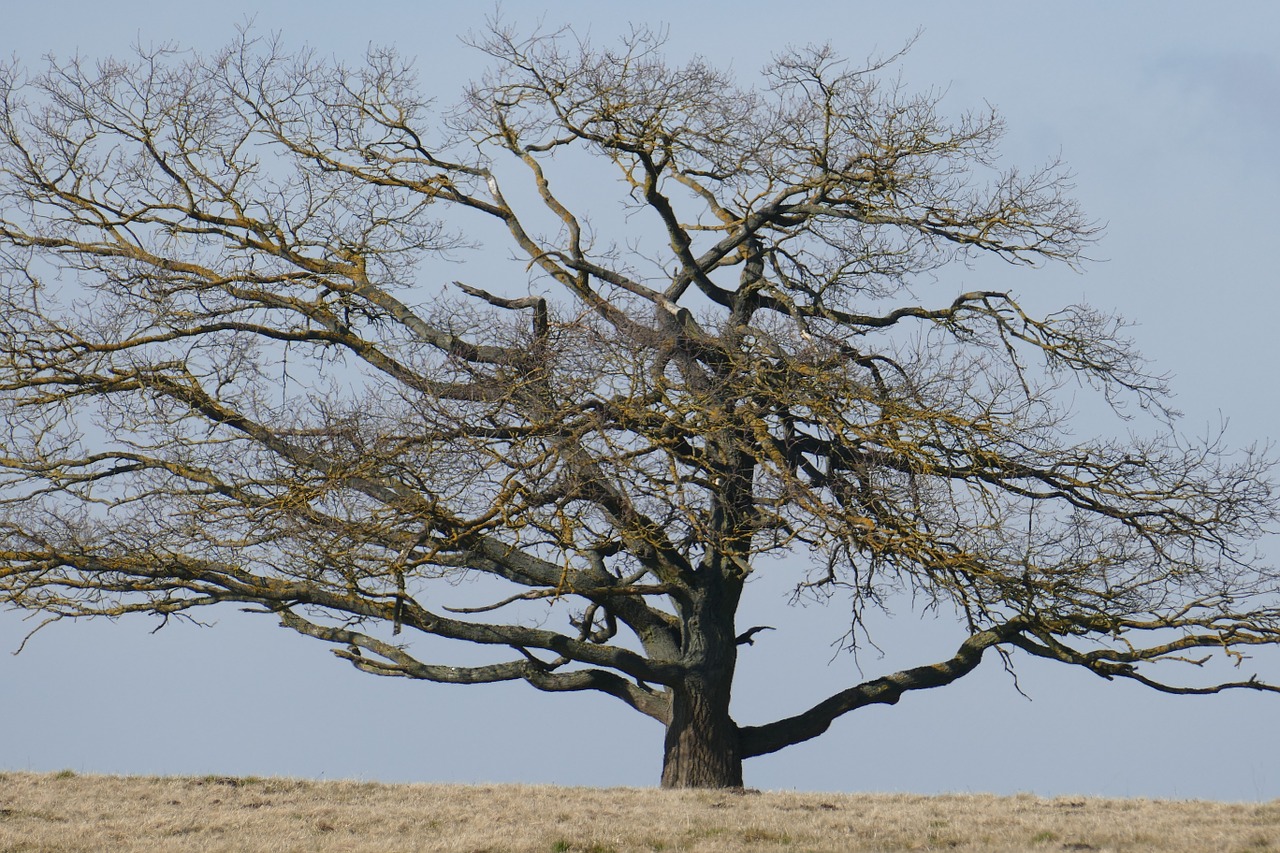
{"x": 235, "y": 369}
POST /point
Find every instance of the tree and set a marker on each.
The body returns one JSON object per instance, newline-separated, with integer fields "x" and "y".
{"x": 230, "y": 375}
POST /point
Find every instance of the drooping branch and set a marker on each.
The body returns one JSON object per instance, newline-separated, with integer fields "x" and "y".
{"x": 1124, "y": 658}
{"x": 179, "y": 583}
{"x": 395, "y": 661}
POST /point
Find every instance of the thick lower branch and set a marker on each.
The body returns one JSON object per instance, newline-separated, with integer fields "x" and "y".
{"x": 643, "y": 699}
{"x": 761, "y": 740}
{"x": 393, "y": 660}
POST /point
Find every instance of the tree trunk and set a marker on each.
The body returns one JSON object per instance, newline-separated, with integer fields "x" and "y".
{"x": 702, "y": 744}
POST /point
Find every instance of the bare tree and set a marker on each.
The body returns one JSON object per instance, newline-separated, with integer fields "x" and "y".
{"x": 230, "y": 372}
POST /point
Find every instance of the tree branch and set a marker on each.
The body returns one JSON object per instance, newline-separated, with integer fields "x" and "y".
{"x": 761, "y": 740}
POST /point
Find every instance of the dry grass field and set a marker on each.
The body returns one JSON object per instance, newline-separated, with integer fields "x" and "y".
{"x": 69, "y": 812}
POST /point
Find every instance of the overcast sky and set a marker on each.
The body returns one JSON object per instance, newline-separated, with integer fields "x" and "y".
{"x": 1168, "y": 114}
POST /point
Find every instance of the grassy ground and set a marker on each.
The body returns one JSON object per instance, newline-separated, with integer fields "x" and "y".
{"x": 68, "y": 812}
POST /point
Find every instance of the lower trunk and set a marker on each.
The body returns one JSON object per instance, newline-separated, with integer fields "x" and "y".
{"x": 702, "y": 749}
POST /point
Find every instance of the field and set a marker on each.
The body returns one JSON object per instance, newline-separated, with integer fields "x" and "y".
{"x": 70, "y": 812}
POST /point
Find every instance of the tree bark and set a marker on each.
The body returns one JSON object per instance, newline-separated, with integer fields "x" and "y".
{"x": 702, "y": 748}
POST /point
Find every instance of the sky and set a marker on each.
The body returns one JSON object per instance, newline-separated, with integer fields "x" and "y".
{"x": 1166, "y": 112}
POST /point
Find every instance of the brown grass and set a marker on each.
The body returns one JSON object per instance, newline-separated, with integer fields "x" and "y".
{"x": 68, "y": 812}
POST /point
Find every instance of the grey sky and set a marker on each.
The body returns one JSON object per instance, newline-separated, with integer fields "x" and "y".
{"x": 1168, "y": 114}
